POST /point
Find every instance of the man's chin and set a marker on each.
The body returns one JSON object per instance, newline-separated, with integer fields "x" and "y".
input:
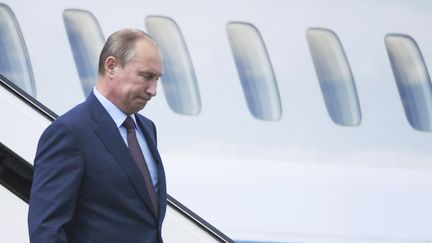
{"x": 140, "y": 107}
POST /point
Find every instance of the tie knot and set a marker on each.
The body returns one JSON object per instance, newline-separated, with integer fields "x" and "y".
{"x": 129, "y": 124}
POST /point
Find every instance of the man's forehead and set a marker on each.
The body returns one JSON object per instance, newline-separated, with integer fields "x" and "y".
{"x": 152, "y": 68}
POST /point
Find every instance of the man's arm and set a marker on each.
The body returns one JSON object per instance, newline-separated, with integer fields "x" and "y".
{"x": 58, "y": 173}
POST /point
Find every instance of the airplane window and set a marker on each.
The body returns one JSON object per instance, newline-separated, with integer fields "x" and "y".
{"x": 178, "y": 81}
{"x": 412, "y": 80}
{"x": 255, "y": 70}
{"x": 335, "y": 76}
{"x": 14, "y": 59}
{"x": 86, "y": 41}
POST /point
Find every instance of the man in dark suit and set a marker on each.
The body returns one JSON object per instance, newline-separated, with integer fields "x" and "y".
{"x": 98, "y": 174}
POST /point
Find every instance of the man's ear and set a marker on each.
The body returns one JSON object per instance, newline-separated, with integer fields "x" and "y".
{"x": 110, "y": 65}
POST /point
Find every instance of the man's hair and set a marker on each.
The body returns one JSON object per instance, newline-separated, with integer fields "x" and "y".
{"x": 121, "y": 45}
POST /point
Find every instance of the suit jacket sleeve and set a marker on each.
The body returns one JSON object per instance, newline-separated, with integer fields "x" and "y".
{"x": 58, "y": 172}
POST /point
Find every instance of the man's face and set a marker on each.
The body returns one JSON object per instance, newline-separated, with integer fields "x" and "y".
{"x": 135, "y": 84}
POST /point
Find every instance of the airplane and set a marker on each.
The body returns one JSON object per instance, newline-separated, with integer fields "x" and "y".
{"x": 278, "y": 121}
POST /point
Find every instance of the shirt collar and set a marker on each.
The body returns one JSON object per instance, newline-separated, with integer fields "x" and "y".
{"x": 116, "y": 114}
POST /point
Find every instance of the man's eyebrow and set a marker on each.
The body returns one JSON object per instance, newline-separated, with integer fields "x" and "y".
{"x": 144, "y": 73}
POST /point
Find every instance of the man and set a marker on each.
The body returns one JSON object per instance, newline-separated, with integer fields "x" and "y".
{"x": 98, "y": 174}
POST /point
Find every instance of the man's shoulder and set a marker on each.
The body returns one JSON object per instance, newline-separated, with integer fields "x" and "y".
{"x": 75, "y": 118}
{"x": 74, "y": 114}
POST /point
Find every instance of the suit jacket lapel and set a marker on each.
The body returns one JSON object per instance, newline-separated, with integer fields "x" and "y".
{"x": 151, "y": 141}
{"x": 162, "y": 192}
{"x": 109, "y": 134}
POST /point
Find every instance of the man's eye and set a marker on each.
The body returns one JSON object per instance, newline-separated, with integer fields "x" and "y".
{"x": 149, "y": 76}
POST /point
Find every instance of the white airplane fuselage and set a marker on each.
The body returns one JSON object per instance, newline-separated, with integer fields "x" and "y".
{"x": 298, "y": 178}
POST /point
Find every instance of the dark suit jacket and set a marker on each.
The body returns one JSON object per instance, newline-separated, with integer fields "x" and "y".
{"x": 86, "y": 186}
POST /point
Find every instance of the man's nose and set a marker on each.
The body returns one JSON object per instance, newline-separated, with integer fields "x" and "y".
{"x": 151, "y": 89}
